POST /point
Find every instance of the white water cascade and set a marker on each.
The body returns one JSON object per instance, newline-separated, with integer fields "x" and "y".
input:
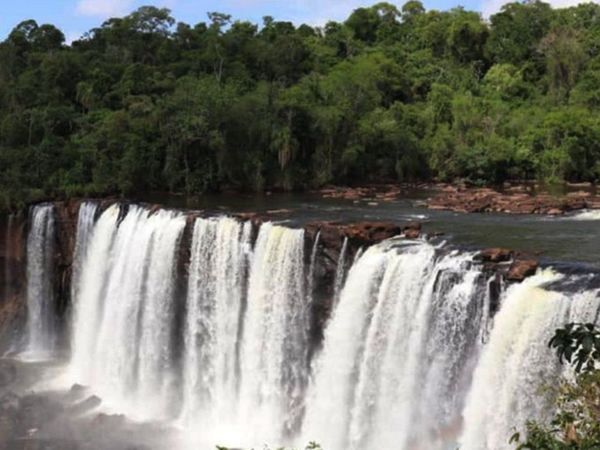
{"x": 125, "y": 310}
{"x": 340, "y": 272}
{"x": 274, "y": 347}
{"x": 7, "y": 259}
{"x": 230, "y": 361}
{"x": 41, "y": 317}
{"x": 215, "y": 295}
{"x": 410, "y": 358}
{"x": 394, "y": 369}
{"x": 514, "y": 365}
{"x": 85, "y": 226}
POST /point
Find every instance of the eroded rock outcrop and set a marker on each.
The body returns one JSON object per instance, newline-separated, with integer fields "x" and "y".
{"x": 511, "y": 201}
{"x": 521, "y": 269}
{"x": 495, "y": 255}
{"x": 12, "y": 279}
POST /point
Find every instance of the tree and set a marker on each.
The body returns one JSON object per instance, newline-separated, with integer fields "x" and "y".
{"x": 143, "y": 102}
{"x": 564, "y": 59}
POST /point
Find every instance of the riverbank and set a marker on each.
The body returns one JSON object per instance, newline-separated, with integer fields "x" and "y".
{"x": 526, "y": 198}
{"x": 518, "y": 200}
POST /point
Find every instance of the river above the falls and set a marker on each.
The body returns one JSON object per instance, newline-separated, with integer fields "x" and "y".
{"x": 572, "y": 238}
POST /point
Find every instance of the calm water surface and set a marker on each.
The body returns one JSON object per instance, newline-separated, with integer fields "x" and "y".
{"x": 567, "y": 239}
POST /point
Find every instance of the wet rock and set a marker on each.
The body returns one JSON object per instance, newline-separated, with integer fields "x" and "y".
{"x": 86, "y": 405}
{"x": 413, "y": 226}
{"x": 369, "y": 233}
{"x": 371, "y": 194}
{"x": 8, "y": 373}
{"x": 495, "y": 291}
{"x": 495, "y": 255}
{"x": 411, "y": 233}
{"x": 521, "y": 269}
{"x": 76, "y": 392}
{"x": 77, "y": 389}
{"x": 412, "y": 230}
{"x": 359, "y": 234}
{"x": 109, "y": 420}
{"x": 515, "y": 200}
{"x": 153, "y": 209}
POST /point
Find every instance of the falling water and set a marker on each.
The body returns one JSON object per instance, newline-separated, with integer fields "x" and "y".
{"x": 91, "y": 292}
{"x": 340, "y": 272}
{"x": 517, "y": 361}
{"x": 393, "y": 371}
{"x": 313, "y": 265}
{"x": 216, "y": 289}
{"x": 8, "y": 259}
{"x": 409, "y": 358}
{"x": 125, "y": 310}
{"x": 41, "y": 317}
{"x": 274, "y": 348}
{"x": 85, "y": 224}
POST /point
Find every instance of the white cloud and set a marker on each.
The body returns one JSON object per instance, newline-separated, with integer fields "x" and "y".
{"x": 489, "y": 7}
{"x": 103, "y": 8}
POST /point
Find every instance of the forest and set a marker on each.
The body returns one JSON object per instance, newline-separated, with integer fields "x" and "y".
{"x": 144, "y": 103}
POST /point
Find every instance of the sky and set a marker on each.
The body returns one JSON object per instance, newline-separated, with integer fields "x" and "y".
{"x": 74, "y": 17}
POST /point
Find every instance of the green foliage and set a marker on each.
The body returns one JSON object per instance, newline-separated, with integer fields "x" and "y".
{"x": 143, "y": 103}
{"x": 579, "y": 345}
{"x": 576, "y": 424}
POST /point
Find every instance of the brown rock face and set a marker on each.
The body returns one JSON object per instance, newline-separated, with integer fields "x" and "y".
{"x": 359, "y": 234}
{"x": 521, "y": 269}
{"x": 495, "y": 255}
{"x": 512, "y": 201}
{"x": 66, "y": 233}
{"x": 382, "y": 193}
{"x": 331, "y": 240}
{"x": 411, "y": 233}
{"x": 12, "y": 278}
{"x": 368, "y": 233}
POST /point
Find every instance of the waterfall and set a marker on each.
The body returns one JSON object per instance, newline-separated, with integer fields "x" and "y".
{"x": 313, "y": 265}
{"x": 394, "y": 368}
{"x": 410, "y": 357}
{"x": 517, "y": 361}
{"x": 41, "y": 315}
{"x": 90, "y": 287}
{"x": 7, "y": 259}
{"x": 340, "y": 271}
{"x": 216, "y": 289}
{"x": 123, "y": 329}
{"x": 274, "y": 348}
{"x": 244, "y": 362}
{"x": 85, "y": 224}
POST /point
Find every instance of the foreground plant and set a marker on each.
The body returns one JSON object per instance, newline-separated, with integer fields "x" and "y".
{"x": 576, "y": 425}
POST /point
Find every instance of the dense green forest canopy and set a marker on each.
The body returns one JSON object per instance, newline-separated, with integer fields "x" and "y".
{"x": 145, "y": 103}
